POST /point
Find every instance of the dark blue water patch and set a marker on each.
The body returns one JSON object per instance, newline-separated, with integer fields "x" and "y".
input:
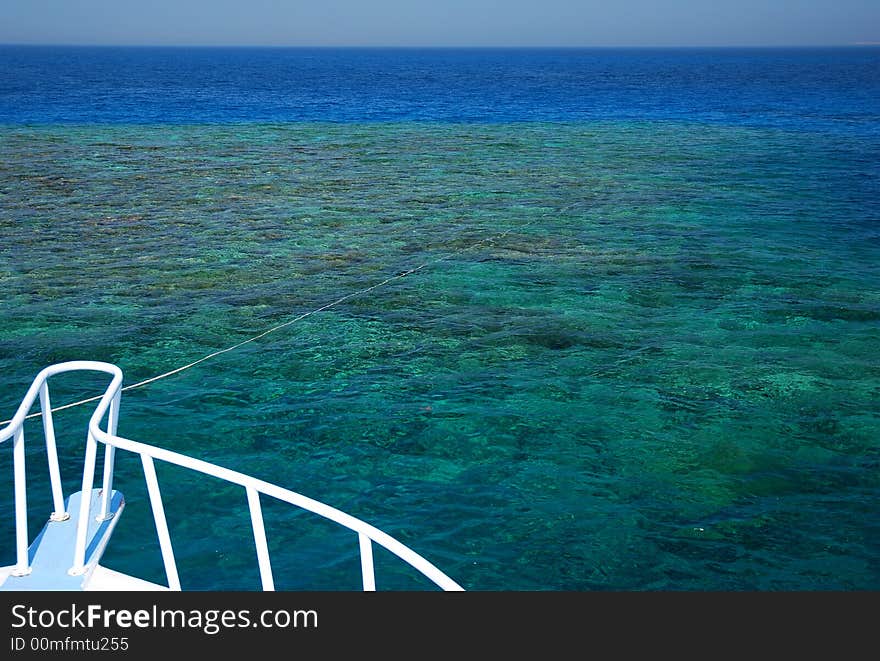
{"x": 831, "y": 88}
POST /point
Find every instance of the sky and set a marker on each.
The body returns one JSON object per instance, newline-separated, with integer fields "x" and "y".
{"x": 543, "y": 23}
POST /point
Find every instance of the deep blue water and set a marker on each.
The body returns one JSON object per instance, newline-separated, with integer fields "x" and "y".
{"x": 816, "y": 88}
{"x": 637, "y": 348}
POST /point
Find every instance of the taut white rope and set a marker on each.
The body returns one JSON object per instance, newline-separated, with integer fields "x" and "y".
{"x": 300, "y": 317}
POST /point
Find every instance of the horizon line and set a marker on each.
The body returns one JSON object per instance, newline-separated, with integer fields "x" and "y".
{"x": 857, "y": 44}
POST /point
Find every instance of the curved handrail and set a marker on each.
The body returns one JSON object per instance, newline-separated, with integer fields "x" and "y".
{"x": 70, "y": 366}
{"x": 15, "y": 429}
{"x": 252, "y": 484}
{"x": 367, "y": 534}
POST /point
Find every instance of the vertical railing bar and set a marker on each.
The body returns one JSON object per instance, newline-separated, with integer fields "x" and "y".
{"x": 21, "y": 523}
{"x": 113, "y": 413}
{"x": 109, "y": 459}
{"x": 107, "y": 485}
{"x": 82, "y": 525}
{"x": 367, "y": 570}
{"x": 161, "y": 523}
{"x": 260, "y": 539}
{"x": 59, "y": 514}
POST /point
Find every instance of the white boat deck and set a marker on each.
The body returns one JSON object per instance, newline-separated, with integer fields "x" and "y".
{"x": 56, "y": 542}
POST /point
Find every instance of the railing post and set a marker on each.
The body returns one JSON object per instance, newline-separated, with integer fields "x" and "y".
{"x": 79, "y": 549}
{"x": 367, "y": 570}
{"x": 109, "y": 460}
{"x": 59, "y": 514}
{"x": 21, "y": 523}
{"x": 260, "y": 539}
{"x": 109, "y": 457}
{"x": 161, "y": 523}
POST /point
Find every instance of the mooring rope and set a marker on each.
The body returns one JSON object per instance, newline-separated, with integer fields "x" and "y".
{"x": 300, "y": 317}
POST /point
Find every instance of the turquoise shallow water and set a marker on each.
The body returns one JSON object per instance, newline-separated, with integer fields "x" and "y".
{"x": 637, "y": 356}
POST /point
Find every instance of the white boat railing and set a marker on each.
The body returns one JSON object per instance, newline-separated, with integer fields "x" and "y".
{"x": 254, "y": 488}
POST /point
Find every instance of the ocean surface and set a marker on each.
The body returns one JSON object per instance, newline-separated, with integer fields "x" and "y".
{"x": 598, "y": 319}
